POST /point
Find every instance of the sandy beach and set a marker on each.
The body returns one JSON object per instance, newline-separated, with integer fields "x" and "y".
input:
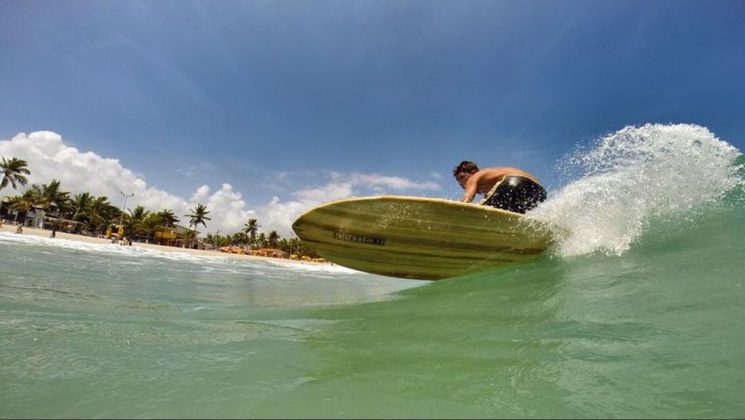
{"x": 89, "y": 239}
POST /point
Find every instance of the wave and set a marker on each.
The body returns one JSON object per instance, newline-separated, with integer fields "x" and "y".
{"x": 626, "y": 180}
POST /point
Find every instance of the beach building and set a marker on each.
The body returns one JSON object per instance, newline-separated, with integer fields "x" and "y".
{"x": 176, "y": 236}
{"x": 5, "y": 211}
{"x": 10, "y": 214}
{"x": 169, "y": 236}
{"x": 35, "y": 217}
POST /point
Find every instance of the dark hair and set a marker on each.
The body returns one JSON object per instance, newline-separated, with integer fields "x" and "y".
{"x": 465, "y": 166}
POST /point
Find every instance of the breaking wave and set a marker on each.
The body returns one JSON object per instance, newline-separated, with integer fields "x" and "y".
{"x": 627, "y": 180}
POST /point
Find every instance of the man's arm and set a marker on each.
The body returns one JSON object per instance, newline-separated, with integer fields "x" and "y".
{"x": 471, "y": 188}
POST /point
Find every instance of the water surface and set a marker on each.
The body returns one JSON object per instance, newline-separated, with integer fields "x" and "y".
{"x": 638, "y": 312}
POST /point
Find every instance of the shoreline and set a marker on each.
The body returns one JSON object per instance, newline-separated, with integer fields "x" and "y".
{"x": 43, "y": 233}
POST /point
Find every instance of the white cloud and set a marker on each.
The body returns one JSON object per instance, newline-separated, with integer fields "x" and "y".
{"x": 328, "y": 192}
{"x": 280, "y": 215}
{"x": 227, "y": 209}
{"x": 201, "y": 194}
{"x": 381, "y": 182}
{"x": 50, "y": 158}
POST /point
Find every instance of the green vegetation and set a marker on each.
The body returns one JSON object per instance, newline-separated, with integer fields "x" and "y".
{"x": 13, "y": 171}
{"x": 87, "y": 214}
{"x": 198, "y": 216}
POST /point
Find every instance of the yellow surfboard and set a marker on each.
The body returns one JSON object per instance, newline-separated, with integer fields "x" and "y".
{"x": 420, "y": 238}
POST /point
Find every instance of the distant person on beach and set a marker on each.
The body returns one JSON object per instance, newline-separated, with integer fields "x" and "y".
{"x": 54, "y": 233}
{"x": 504, "y": 188}
{"x": 19, "y": 229}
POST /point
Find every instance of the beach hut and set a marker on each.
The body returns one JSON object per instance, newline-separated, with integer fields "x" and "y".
{"x": 35, "y": 218}
{"x": 171, "y": 236}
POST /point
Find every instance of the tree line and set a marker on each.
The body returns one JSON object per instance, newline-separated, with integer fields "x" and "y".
{"x": 95, "y": 215}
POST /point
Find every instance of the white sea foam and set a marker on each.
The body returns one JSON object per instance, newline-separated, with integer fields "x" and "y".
{"x": 138, "y": 252}
{"x": 133, "y": 251}
{"x": 635, "y": 175}
{"x": 319, "y": 268}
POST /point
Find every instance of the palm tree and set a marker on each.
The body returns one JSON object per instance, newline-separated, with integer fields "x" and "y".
{"x": 53, "y": 197}
{"x": 134, "y": 220}
{"x": 211, "y": 239}
{"x": 94, "y": 213}
{"x": 168, "y": 218}
{"x": 100, "y": 213}
{"x": 285, "y": 245}
{"x": 251, "y": 228}
{"x": 217, "y": 240}
{"x": 138, "y": 213}
{"x": 14, "y": 171}
{"x": 273, "y": 239}
{"x": 78, "y": 208}
{"x": 198, "y": 216}
{"x": 150, "y": 223}
{"x": 78, "y": 204}
{"x": 293, "y": 246}
{"x": 189, "y": 236}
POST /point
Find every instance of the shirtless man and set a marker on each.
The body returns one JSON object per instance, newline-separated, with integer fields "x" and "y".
{"x": 504, "y": 188}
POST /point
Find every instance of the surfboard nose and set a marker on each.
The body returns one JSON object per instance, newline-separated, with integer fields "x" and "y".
{"x": 303, "y": 225}
{"x": 297, "y": 226}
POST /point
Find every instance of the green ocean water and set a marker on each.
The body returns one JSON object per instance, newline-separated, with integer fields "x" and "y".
{"x": 656, "y": 332}
{"x": 646, "y": 322}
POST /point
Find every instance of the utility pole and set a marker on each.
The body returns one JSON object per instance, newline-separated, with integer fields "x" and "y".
{"x": 121, "y": 218}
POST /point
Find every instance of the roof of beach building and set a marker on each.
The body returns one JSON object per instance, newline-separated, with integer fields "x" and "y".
{"x": 177, "y": 229}
{"x": 54, "y": 218}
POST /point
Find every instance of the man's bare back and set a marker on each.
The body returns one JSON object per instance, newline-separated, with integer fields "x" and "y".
{"x": 504, "y": 188}
{"x": 482, "y": 181}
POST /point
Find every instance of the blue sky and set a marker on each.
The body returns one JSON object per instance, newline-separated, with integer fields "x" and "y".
{"x": 273, "y": 97}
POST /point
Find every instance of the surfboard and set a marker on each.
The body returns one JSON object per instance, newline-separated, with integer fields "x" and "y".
{"x": 420, "y": 238}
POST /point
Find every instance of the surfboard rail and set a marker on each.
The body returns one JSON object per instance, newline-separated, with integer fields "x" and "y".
{"x": 419, "y": 237}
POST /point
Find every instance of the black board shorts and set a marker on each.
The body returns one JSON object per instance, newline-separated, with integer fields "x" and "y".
{"x": 515, "y": 193}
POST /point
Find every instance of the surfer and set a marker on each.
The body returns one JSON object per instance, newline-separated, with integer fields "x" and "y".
{"x": 504, "y": 188}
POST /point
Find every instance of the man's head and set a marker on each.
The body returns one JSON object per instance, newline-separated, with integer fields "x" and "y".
{"x": 463, "y": 171}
